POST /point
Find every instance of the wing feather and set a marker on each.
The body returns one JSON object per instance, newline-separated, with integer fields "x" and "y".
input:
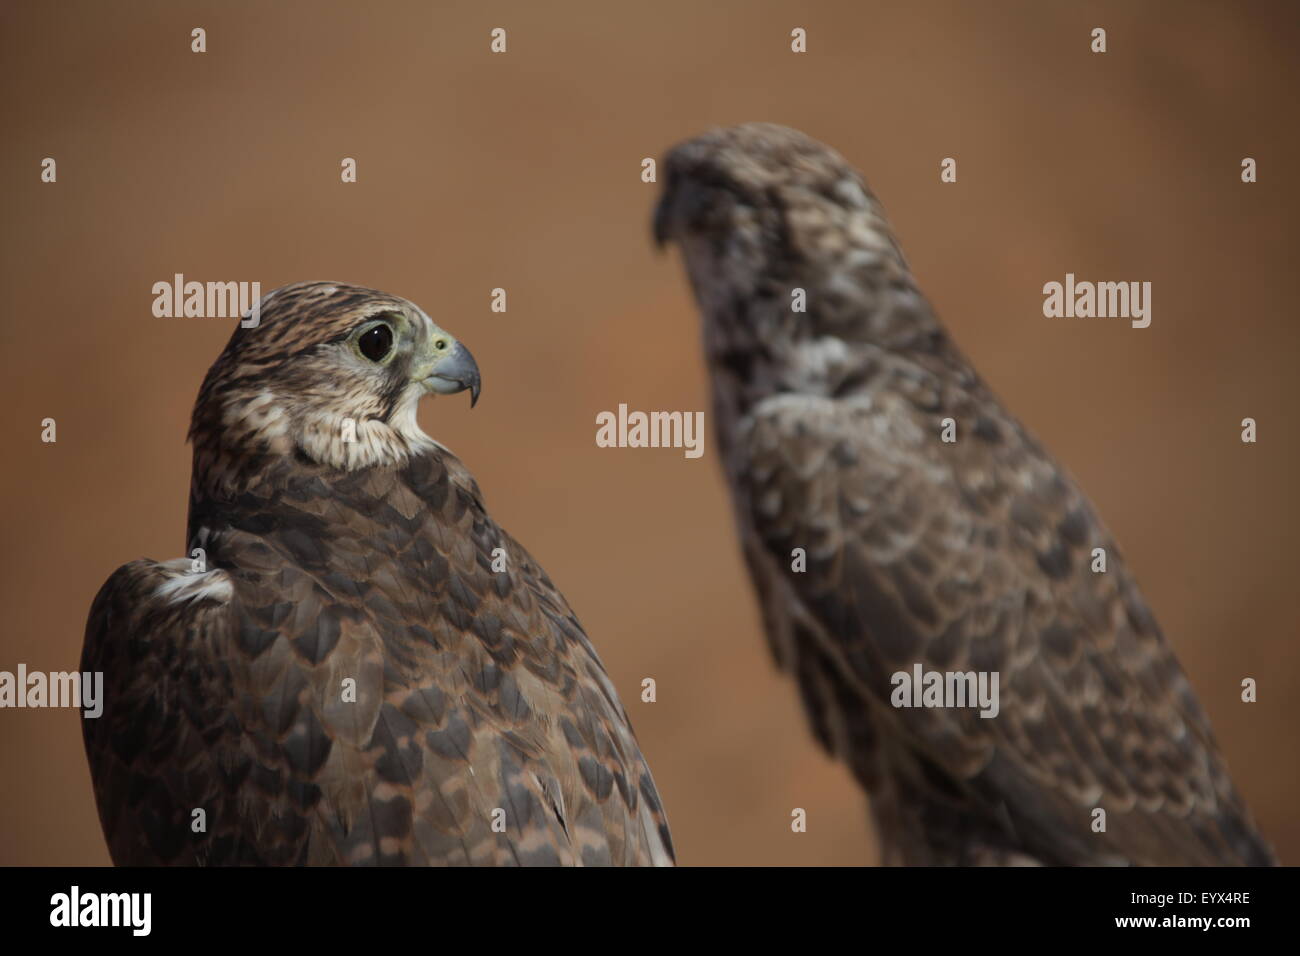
{"x": 358, "y": 685}
{"x": 976, "y": 556}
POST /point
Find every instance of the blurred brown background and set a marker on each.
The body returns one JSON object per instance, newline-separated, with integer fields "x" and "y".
{"x": 522, "y": 171}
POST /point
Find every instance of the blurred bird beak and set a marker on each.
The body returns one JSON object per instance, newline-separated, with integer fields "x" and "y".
{"x": 663, "y": 218}
{"x": 455, "y": 372}
{"x": 680, "y": 205}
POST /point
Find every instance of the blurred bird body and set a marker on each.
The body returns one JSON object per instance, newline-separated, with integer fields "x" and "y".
{"x": 970, "y": 556}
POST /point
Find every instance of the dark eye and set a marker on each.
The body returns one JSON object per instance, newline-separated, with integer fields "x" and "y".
{"x": 440, "y": 345}
{"x": 375, "y": 343}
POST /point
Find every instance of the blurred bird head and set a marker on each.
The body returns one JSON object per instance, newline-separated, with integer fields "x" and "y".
{"x": 330, "y": 372}
{"x": 785, "y": 247}
{"x": 749, "y": 200}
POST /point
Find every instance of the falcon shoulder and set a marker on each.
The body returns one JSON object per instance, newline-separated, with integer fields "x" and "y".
{"x": 354, "y": 683}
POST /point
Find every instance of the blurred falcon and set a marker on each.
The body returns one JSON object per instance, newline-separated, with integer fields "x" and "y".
{"x": 356, "y": 664}
{"x": 972, "y": 556}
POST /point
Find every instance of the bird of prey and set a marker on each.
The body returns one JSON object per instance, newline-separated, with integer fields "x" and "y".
{"x": 966, "y": 557}
{"x": 354, "y": 664}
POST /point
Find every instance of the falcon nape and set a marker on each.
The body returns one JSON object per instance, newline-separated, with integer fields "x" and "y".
{"x": 355, "y": 664}
{"x": 966, "y": 557}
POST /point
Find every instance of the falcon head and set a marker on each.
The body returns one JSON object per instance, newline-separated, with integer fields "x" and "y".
{"x": 788, "y": 252}
{"x": 751, "y": 200}
{"x": 332, "y": 373}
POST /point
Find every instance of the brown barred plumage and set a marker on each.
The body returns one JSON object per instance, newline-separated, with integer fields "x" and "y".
{"x": 351, "y": 680}
{"x": 965, "y": 556}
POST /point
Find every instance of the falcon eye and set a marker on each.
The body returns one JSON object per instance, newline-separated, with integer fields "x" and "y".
{"x": 440, "y": 345}
{"x": 375, "y": 343}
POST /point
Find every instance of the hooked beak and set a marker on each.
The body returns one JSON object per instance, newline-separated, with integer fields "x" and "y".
{"x": 663, "y": 218}
{"x": 454, "y": 373}
{"x": 681, "y": 206}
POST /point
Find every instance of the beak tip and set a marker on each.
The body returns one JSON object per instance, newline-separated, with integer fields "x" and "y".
{"x": 453, "y": 373}
{"x": 660, "y": 224}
